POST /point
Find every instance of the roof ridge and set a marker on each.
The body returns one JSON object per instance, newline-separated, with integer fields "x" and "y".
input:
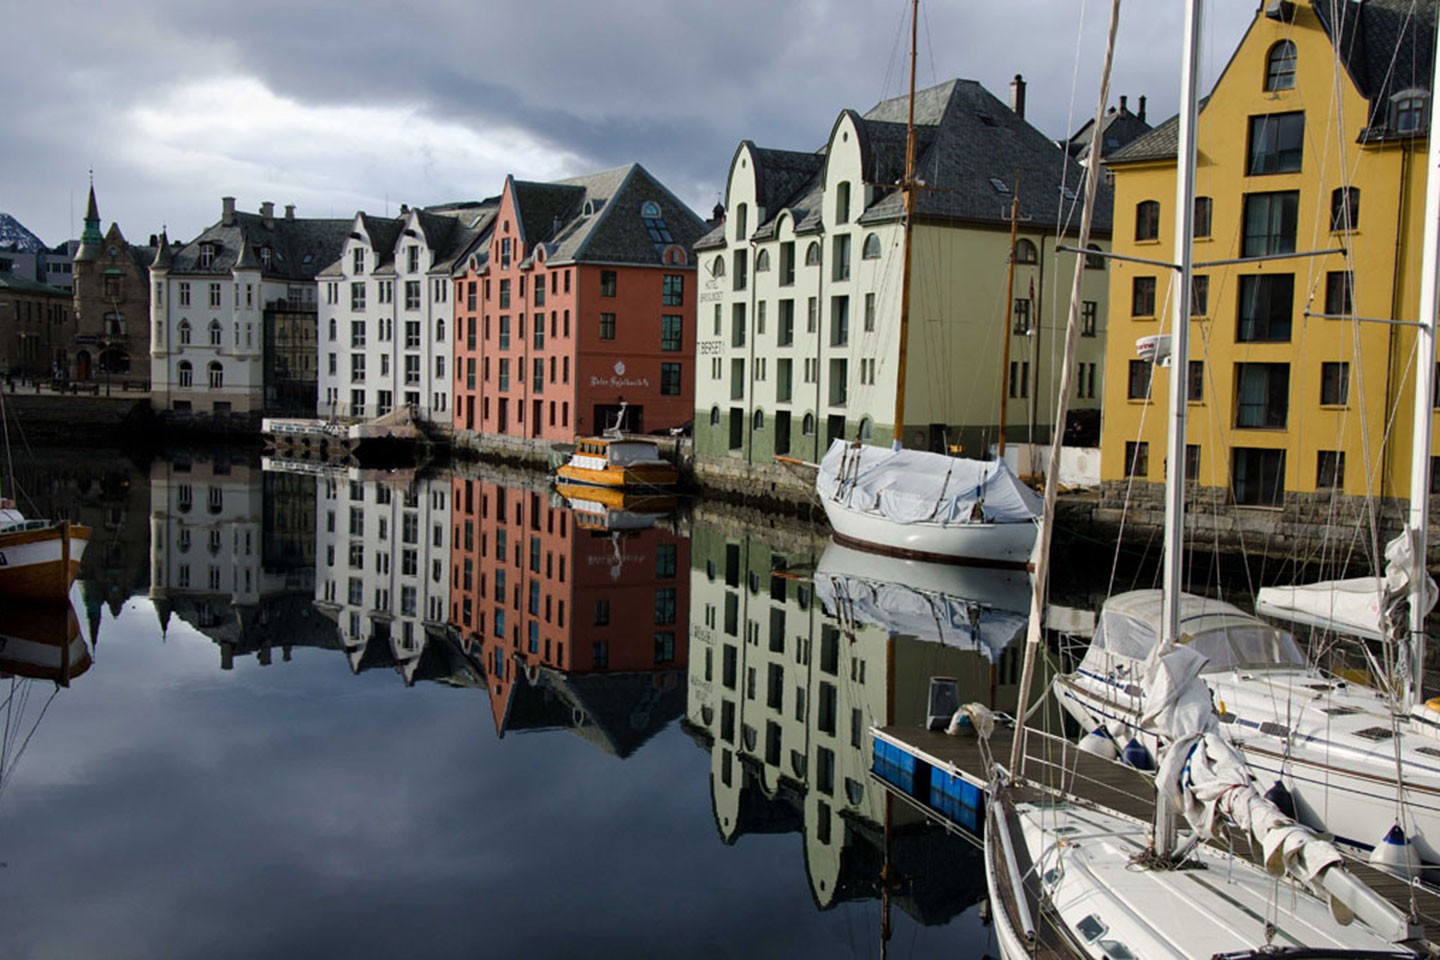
{"x": 608, "y": 206}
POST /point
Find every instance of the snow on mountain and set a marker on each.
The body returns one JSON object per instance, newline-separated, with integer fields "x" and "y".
{"x": 13, "y": 234}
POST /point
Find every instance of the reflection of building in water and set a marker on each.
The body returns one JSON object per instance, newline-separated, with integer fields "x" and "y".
{"x": 228, "y": 555}
{"x": 110, "y": 495}
{"x": 576, "y": 622}
{"x": 383, "y": 552}
{"x": 784, "y": 696}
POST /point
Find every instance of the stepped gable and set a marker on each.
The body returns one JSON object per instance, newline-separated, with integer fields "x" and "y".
{"x": 976, "y": 138}
{"x": 14, "y": 236}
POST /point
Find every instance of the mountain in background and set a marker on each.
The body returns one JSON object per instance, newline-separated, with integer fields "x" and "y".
{"x": 13, "y": 235}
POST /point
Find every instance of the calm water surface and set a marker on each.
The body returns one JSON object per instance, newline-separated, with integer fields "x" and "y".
{"x": 360, "y": 716}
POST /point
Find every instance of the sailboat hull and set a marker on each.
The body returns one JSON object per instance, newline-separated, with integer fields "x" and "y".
{"x": 41, "y": 564}
{"x": 980, "y": 544}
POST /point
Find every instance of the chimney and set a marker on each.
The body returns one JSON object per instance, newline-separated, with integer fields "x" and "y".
{"x": 1141, "y": 114}
{"x": 289, "y": 211}
{"x": 1017, "y": 96}
{"x": 154, "y": 240}
{"x": 267, "y": 213}
{"x": 1123, "y": 107}
{"x": 227, "y": 211}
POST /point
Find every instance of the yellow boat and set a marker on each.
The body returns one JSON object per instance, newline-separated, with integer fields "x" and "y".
{"x": 618, "y": 463}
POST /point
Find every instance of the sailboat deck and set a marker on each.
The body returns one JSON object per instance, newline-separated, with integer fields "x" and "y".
{"x": 1056, "y": 763}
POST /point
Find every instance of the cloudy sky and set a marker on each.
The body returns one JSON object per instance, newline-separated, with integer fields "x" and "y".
{"x": 343, "y": 106}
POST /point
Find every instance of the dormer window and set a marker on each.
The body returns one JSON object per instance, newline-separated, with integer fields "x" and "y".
{"x": 358, "y": 258}
{"x": 1407, "y": 111}
{"x": 412, "y": 257}
{"x": 207, "y": 255}
{"x": 265, "y": 257}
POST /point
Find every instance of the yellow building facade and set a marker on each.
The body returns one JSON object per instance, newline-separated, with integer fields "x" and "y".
{"x": 1304, "y": 146}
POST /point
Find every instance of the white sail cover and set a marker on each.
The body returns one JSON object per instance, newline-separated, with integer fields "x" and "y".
{"x": 915, "y": 486}
{"x": 1363, "y": 606}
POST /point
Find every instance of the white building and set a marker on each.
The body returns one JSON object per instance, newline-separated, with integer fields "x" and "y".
{"x": 387, "y": 311}
{"x": 233, "y": 313}
{"x": 382, "y": 567}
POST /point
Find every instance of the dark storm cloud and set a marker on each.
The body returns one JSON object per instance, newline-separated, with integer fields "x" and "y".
{"x": 596, "y": 84}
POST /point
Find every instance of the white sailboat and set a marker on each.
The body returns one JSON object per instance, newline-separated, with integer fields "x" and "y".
{"x": 1068, "y": 879}
{"x": 1360, "y": 762}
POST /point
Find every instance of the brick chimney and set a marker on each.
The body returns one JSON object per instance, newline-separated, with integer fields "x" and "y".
{"x": 227, "y": 211}
{"x": 1017, "y": 96}
{"x": 267, "y": 213}
{"x": 289, "y": 211}
{"x": 1123, "y": 107}
{"x": 1141, "y": 114}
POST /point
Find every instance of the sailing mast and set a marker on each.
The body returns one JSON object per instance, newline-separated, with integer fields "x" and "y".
{"x": 1009, "y": 301}
{"x": 1424, "y": 392}
{"x": 907, "y": 190}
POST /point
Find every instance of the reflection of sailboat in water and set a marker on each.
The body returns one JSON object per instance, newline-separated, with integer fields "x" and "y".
{"x": 969, "y": 608}
{"x": 39, "y": 644}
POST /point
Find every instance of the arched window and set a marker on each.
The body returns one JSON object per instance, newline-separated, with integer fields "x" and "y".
{"x": 842, "y": 202}
{"x": 807, "y": 426}
{"x": 866, "y": 431}
{"x": 742, "y": 215}
{"x": 812, "y": 255}
{"x": 1025, "y": 252}
{"x": 871, "y": 248}
{"x": 717, "y": 267}
{"x": 217, "y": 375}
{"x": 1280, "y": 67}
{"x": 757, "y": 420}
{"x": 714, "y": 416}
{"x": 185, "y": 373}
{"x": 216, "y": 334}
{"x": 334, "y": 330}
{"x": 1093, "y": 261}
{"x": 184, "y": 332}
{"x": 1147, "y": 220}
{"x": 1344, "y": 208}
{"x": 762, "y": 261}
{"x": 440, "y": 329}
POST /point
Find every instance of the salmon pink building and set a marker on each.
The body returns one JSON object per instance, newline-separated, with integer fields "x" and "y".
{"x": 576, "y": 616}
{"x": 582, "y": 299}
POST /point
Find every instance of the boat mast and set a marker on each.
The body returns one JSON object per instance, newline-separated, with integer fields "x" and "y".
{"x": 1009, "y": 306}
{"x": 1093, "y": 174}
{"x": 1173, "y": 583}
{"x": 907, "y": 190}
{"x": 1424, "y": 392}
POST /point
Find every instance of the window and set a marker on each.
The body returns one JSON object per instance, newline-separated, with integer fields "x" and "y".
{"x": 1021, "y": 324}
{"x": 357, "y": 333}
{"x": 671, "y": 331}
{"x": 787, "y": 263}
{"x": 1265, "y": 308}
{"x": 216, "y": 375}
{"x": 812, "y": 254}
{"x": 186, "y": 373}
{"x": 1195, "y": 382}
{"x": 842, "y": 202}
{"x": 357, "y": 295}
{"x": 1334, "y": 384}
{"x": 1019, "y": 379}
{"x": 214, "y": 294}
{"x": 1408, "y": 111}
{"x": 1257, "y": 477}
{"x": 1085, "y": 381}
{"x": 1137, "y": 458}
{"x": 670, "y": 379}
{"x": 672, "y": 291}
{"x": 1147, "y": 220}
{"x": 665, "y": 605}
{"x": 412, "y": 294}
{"x": 1344, "y": 209}
{"x": 840, "y": 266}
{"x": 870, "y": 250}
{"x": 869, "y": 313}
{"x": 741, "y": 276}
{"x": 762, "y": 261}
{"x": 1203, "y": 209}
{"x": 839, "y": 321}
{"x": 216, "y": 334}
{"x": 1139, "y": 382}
{"x": 505, "y": 293}
{"x": 1280, "y": 67}
{"x": 1199, "y": 296}
{"x": 1277, "y": 142}
{"x": 607, "y": 283}
{"x": 1262, "y": 395}
{"x": 1330, "y": 469}
{"x": 1142, "y": 297}
{"x": 1025, "y": 252}
{"x": 1339, "y": 298}
{"x": 1270, "y": 223}
{"x": 1089, "y": 314}
{"x": 607, "y": 326}
{"x": 1094, "y": 261}
{"x": 757, "y": 420}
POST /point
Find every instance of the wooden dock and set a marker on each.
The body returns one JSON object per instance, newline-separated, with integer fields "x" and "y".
{"x": 1057, "y": 764}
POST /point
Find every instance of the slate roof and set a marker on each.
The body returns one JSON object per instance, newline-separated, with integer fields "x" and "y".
{"x": 964, "y": 138}
{"x": 1387, "y": 46}
{"x": 450, "y": 231}
{"x": 300, "y": 248}
{"x": 1118, "y": 128}
{"x": 612, "y": 232}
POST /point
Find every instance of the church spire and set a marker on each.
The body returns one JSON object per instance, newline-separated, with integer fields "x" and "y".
{"x": 92, "y": 233}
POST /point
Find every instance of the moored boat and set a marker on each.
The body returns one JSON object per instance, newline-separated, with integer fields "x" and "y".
{"x": 618, "y": 462}
{"x": 39, "y": 559}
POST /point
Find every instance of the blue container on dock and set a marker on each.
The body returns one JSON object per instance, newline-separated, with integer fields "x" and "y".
{"x": 893, "y": 765}
{"x": 956, "y": 799}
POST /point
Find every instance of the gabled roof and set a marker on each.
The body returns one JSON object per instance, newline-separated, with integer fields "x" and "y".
{"x": 299, "y": 249}
{"x": 449, "y": 230}
{"x": 1118, "y": 128}
{"x": 1161, "y": 143}
{"x": 597, "y": 218}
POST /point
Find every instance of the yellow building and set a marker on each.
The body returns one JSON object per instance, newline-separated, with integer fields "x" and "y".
{"x": 1313, "y": 139}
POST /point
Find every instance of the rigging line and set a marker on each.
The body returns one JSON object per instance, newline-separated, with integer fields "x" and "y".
{"x": 6, "y": 774}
